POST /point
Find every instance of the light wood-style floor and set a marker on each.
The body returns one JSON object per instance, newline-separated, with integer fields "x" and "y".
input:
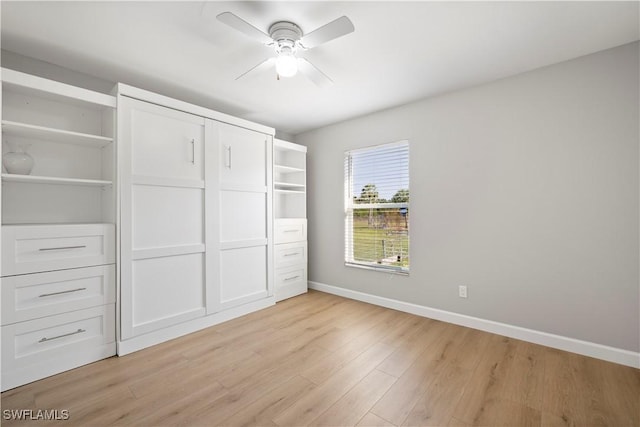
{"x": 319, "y": 359}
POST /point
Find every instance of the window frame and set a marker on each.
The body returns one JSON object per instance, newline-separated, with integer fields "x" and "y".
{"x": 350, "y": 207}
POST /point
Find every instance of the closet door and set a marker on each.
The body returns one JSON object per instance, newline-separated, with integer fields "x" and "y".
{"x": 244, "y": 228}
{"x": 163, "y": 217}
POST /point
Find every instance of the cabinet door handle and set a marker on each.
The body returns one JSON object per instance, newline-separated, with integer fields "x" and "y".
{"x": 291, "y": 278}
{"x": 292, "y": 254}
{"x": 227, "y": 159}
{"x": 60, "y": 248}
{"x": 61, "y": 292}
{"x": 193, "y": 151}
{"x": 79, "y": 331}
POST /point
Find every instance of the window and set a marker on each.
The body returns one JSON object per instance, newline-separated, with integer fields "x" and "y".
{"x": 377, "y": 207}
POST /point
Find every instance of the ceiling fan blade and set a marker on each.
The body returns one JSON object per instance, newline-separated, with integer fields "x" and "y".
{"x": 244, "y": 27}
{"x": 328, "y": 32}
{"x": 313, "y": 73}
{"x": 264, "y": 65}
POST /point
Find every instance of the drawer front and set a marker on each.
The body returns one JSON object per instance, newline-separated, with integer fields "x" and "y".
{"x": 45, "y": 340}
{"x": 36, "y": 248}
{"x": 290, "y": 281}
{"x": 286, "y": 276}
{"x": 31, "y": 296}
{"x": 290, "y": 230}
{"x": 290, "y": 254}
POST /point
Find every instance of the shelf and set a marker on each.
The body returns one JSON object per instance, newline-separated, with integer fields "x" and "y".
{"x": 32, "y": 179}
{"x": 25, "y": 130}
{"x": 287, "y": 169}
{"x": 287, "y": 184}
{"x": 280, "y": 190}
{"x": 45, "y": 88}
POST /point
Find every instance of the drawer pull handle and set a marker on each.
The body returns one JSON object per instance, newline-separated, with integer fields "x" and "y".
{"x": 62, "y": 248}
{"x": 61, "y": 292}
{"x": 291, "y": 278}
{"x": 295, "y": 230}
{"x": 292, "y": 254}
{"x": 79, "y": 331}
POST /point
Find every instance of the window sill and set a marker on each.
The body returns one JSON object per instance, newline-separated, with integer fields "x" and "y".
{"x": 386, "y": 269}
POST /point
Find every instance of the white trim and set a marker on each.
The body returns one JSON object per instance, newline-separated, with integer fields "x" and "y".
{"x": 162, "y": 181}
{"x": 157, "y": 337}
{"x": 166, "y": 251}
{"x": 154, "y": 98}
{"x": 586, "y": 348}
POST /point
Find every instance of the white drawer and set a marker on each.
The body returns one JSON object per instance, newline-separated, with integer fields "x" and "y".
{"x": 289, "y": 230}
{"x": 36, "y": 248}
{"x": 290, "y": 281}
{"x": 42, "y": 347}
{"x": 31, "y": 296}
{"x": 290, "y": 254}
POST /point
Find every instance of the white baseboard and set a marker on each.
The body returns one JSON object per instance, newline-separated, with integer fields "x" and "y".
{"x": 586, "y": 348}
{"x": 181, "y": 329}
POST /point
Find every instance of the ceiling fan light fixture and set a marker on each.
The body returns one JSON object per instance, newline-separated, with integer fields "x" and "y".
{"x": 286, "y": 64}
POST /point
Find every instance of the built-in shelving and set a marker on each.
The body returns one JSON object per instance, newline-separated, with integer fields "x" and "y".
{"x": 289, "y": 218}
{"x": 289, "y": 180}
{"x": 68, "y": 131}
{"x": 25, "y": 130}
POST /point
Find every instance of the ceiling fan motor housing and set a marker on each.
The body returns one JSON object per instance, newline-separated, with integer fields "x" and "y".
{"x": 286, "y": 35}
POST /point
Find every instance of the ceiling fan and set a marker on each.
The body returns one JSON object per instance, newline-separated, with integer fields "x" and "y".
{"x": 287, "y": 39}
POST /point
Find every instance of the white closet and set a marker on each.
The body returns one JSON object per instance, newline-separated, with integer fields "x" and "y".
{"x": 195, "y": 217}
{"x": 170, "y": 233}
{"x": 58, "y": 228}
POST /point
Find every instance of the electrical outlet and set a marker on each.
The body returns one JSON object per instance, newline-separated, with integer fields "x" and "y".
{"x": 462, "y": 291}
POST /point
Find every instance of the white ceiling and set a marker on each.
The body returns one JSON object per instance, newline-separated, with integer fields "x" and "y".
{"x": 399, "y": 52}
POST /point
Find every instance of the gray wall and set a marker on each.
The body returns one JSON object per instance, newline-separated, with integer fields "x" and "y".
{"x": 525, "y": 190}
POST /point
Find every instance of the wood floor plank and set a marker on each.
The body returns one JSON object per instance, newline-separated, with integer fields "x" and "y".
{"x": 261, "y": 411}
{"x": 320, "y": 372}
{"x": 251, "y": 389}
{"x": 398, "y": 402}
{"x": 351, "y": 407}
{"x": 322, "y": 397}
{"x": 477, "y": 404}
{"x": 372, "y": 420}
{"x": 326, "y": 360}
{"x": 525, "y": 379}
{"x": 510, "y": 413}
{"x": 407, "y": 352}
{"x": 580, "y": 391}
{"x": 436, "y": 405}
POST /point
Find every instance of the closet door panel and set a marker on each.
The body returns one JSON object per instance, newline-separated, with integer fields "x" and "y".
{"x": 162, "y": 217}
{"x": 166, "y": 289}
{"x": 243, "y": 216}
{"x": 243, "y": 230}
{"x": 244, "y": 274}
{"x": 167, "y": 216}
{"x": 244, "y": 157}
{"x": 167, "y": 142}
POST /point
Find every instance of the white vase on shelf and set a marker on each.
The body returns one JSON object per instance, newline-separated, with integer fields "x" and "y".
{"x": 17, "y": 161}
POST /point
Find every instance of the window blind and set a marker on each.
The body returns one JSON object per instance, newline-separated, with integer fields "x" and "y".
{"x": 377, "y": 207}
